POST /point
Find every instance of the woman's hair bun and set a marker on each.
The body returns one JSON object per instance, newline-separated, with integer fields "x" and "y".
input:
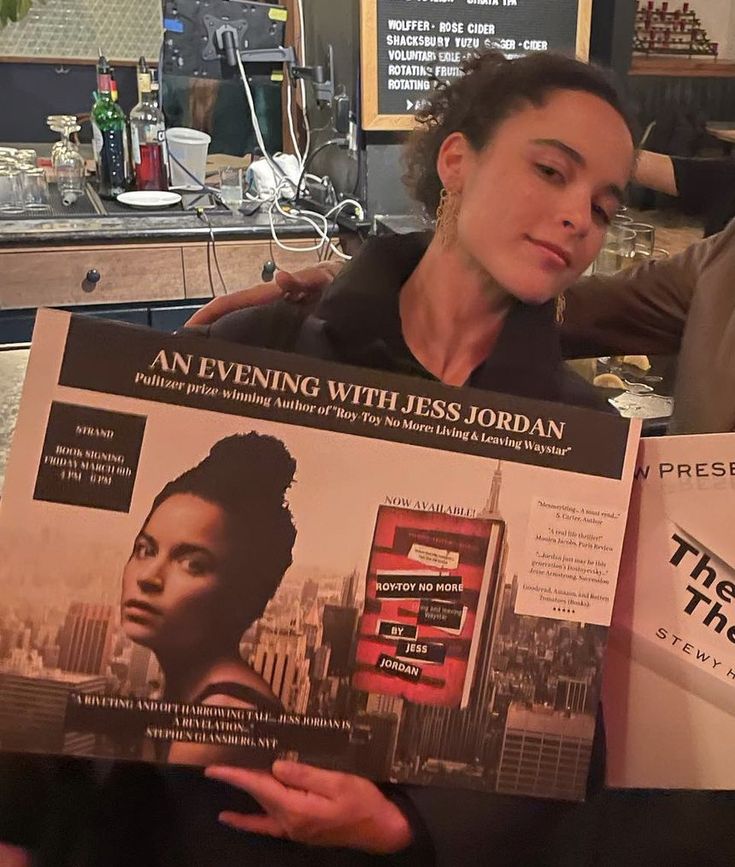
{"x": 250, "y": 466}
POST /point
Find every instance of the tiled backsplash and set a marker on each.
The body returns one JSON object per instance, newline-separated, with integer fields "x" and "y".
{"x": 122, "y": 30}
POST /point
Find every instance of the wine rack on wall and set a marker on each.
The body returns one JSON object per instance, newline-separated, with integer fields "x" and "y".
{"x": 662, "y": 28}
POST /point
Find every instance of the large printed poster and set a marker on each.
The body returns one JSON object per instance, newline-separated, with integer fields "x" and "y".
{"x": 670, "y": 673}
{"x": 219, "y": 554}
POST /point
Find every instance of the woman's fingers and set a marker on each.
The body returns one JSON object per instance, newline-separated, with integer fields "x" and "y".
{"x": 307, "y": 778}
{"x": 304, "y": 283}
{"x": 261, "y": 785}
{"x": 296, "y": 286}
{"x": 12, "y": 856}
{"x": 319, "y": 807}
{"x": 255, "y": 824}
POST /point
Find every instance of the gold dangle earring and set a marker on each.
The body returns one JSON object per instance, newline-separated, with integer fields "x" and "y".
{"x": 446, "y": 217}
{"x": 561, "y": 306}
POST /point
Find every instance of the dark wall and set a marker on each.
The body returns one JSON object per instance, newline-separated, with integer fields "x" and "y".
{"x": 323, "y": 28}
{"x": 611, "y": 35}
{"x": 651, "y": 96}
{"x": 711, "y": 99}
{"x": 379, "y": 154}
{"x": 32, "y": 91}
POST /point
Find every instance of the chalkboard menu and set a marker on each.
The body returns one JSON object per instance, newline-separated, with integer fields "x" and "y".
{"x": 406, "y": 43}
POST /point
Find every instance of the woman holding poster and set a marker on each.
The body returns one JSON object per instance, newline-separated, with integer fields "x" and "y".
{"x": 523, "y": 163}
{"x": 511, "y": 162}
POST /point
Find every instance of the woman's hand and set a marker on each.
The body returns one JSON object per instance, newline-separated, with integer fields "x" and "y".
{"x": 299, "y": 286}
{"x": 322, "y": 808}
{"x": 12, "y": 856}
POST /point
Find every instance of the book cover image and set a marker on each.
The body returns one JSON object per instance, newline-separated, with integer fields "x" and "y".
{"x": 671, "y": 656}
{"x": 430, "y": 579}
{"x": 220, "y": 554}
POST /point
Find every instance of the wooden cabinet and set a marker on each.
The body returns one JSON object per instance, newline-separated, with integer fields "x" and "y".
{"x": 123, "y": 273}
{"x": 241, "y": 264}
{"x": 38, "y": 277}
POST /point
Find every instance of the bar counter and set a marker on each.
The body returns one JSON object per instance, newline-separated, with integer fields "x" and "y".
{"x": 161, "y": 227}
{"x": 149, "y": 267}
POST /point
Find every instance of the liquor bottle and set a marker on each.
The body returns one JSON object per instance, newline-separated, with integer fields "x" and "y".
{"x": 108, "y": 136}
{"x": 148, "y": 136}
{"x": 155, "y": 86}
{"x": 115, "y": 94}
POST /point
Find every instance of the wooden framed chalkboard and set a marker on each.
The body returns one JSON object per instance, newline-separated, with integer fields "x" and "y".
{"x": 404, "y": 42}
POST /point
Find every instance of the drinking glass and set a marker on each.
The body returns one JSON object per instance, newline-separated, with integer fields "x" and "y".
{"x": 35, "y": 190}
{"x": 617, "y": 250}
{"x": 23, "y": 164}
{"x": 230, "y": 186}
{"x": 58, "y": 123}
{"x": 11, "y": 192}
{"x": 644, "y": 243}
{"x": 28, "y": 156}
{"x": 69, "y": 166}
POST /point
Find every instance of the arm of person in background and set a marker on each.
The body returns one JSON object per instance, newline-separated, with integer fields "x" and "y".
{"x": 704, "y": 185}
{"x": 657, "y": 172}
{"x": 300, "y": 286}
{"x": 638, "y": 311}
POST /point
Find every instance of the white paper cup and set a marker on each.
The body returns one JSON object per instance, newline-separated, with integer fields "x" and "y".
{"x": 187, "y": 148}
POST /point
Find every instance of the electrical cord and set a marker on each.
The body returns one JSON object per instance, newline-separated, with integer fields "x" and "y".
{"x": 275, "y": 168}
{"x": 342, "y": 142}
{"x": 312, "y": 219}
{"x": 318, "y": 222}
{"x": 204, "y": 217}
{"x": 289, "y": 111}
{"x": 285, "y": 182}
{"x": 302, "y": 52}
{"x": 328, "y": 251}
{"x": 209, "y": 271}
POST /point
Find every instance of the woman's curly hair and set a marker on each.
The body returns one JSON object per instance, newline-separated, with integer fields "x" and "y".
{"x": 491, "y": 89}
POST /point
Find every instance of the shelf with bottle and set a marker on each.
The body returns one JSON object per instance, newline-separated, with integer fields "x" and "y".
{"x": 664, "y": 30}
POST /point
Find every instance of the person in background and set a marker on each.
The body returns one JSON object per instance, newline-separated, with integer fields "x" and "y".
{"x": 705, "y": 186}
{"x": 523, "y": 185}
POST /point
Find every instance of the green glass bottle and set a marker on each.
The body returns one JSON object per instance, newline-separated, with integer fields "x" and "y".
{"x": 108, "y": 136}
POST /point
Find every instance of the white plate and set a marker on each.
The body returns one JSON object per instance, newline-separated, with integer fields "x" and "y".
{"x": 149, "y": 199}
